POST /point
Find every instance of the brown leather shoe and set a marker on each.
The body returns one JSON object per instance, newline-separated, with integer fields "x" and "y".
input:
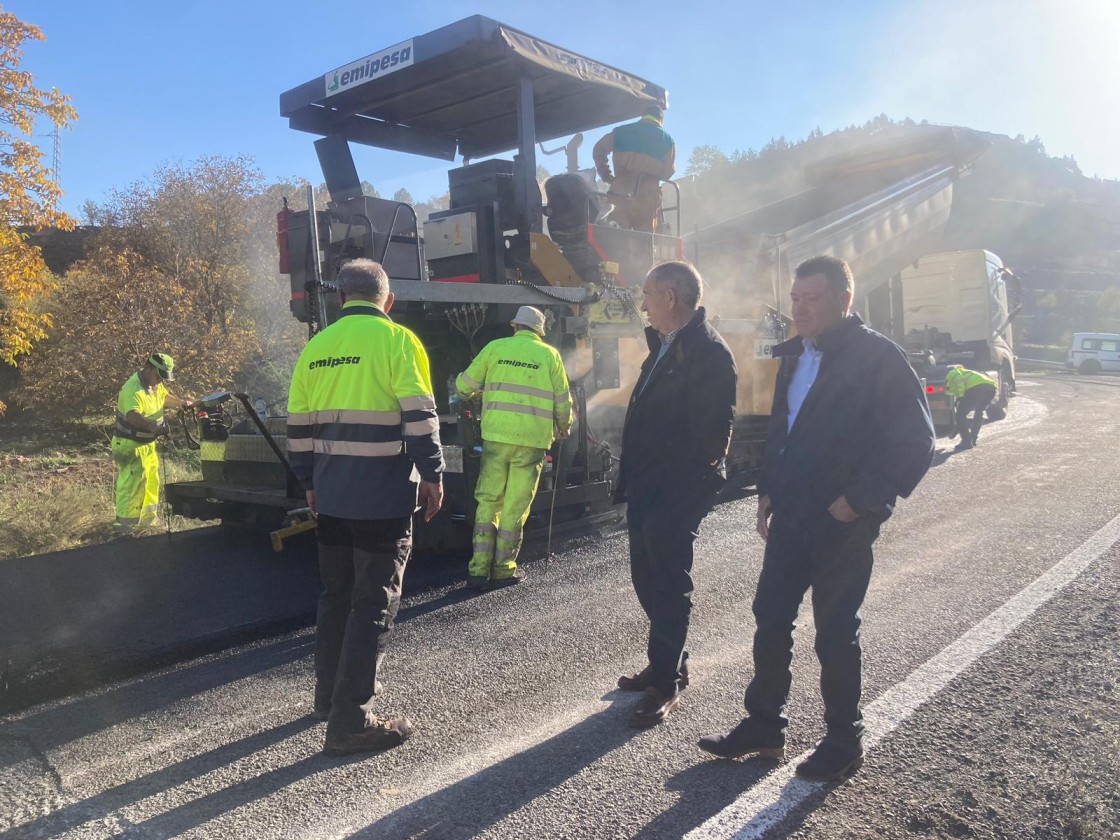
{"x": 644, "y": 679}
{"x": 379, "y": 734}
{"x": 652, "y": 708}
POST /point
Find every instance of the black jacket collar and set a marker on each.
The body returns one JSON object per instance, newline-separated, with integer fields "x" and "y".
{"x": 653, "y": 337}
{"x": 832, "y": 339}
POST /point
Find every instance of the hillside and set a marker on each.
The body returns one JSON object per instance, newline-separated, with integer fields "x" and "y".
{"x": 1057, "y": 228}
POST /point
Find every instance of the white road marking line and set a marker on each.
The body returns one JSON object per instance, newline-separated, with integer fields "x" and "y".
{"x": 769, "y": 802}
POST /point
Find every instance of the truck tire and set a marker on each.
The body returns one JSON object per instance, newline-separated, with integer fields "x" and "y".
{"x": 1089, "y": 366}
{"x": 998, "y": 409}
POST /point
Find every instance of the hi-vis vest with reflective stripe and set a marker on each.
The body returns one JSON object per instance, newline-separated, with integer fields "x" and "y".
{"x": 134, "y": 396}
{"x": 524, "y": 387}
{"x": 361, "y": 415}
{"x": 959, "y": 380}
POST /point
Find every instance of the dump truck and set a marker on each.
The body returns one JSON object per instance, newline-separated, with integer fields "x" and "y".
{"x": 959, "y": 308}
{"x": 469, "y": 93}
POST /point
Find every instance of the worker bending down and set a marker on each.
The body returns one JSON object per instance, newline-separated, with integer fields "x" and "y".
{"x": 974, "y": 392}
{"x": 140, "y": 421}
{"x": 644, "y": 156}
{"x": 525, "y": 405}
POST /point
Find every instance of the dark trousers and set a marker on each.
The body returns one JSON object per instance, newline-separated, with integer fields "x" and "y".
{"x": 975, "y": 399}
{"x": 661, "y": 539}
{"x": 834, "y": 560}
{"x": 361, "y": 564}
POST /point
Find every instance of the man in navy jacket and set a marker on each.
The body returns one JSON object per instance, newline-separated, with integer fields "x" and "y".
{"x": 850, "y": 432}
{"x": 677, "y": 431}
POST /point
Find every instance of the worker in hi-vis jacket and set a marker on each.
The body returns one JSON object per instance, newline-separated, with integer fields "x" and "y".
{"x": 526, "y": 405}
{"x": 974, "y": 392}
{"x": 140, "y": 421}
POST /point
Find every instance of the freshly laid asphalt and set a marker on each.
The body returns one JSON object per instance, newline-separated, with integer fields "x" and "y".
{"x": 520, "y": 731}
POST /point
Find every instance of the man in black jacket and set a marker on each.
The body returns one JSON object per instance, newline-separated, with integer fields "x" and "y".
{"x": 677, "y": 431}
{"x": 849, "y": 433}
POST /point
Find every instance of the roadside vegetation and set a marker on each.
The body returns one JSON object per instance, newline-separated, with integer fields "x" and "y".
{"x": 57, "y": 490}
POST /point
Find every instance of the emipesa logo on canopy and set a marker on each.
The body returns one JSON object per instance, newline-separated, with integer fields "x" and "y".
{"x": 378, "y": 64}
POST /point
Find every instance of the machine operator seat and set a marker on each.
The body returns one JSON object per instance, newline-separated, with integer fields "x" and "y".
{"x": 572, "y": 205}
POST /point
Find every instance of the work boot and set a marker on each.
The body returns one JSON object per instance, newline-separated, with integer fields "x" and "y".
{"x": 745, "y": 739}
{"x": 644, "y": 679}
{"x": 478, "y": 583}
{"x": 963, "y": 445}
{"x": 517, "y": 577}
{"x": 379, "y": 734}
{"x": 323, "y": 712}
{"x": 653, "y": 707}
{"x": 831, "y": 761}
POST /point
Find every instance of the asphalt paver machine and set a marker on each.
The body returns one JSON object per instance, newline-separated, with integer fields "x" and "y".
{"x": 483, "y": 95}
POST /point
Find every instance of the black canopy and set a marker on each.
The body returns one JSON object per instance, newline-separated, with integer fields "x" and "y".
{"x": 458, "y": 88}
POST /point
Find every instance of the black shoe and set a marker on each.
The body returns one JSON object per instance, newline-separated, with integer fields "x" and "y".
{"x": 652, "y": 708}
{"x": 963, "y": 445}
{"x": 517, "y": 577}
{"x": 324, "y": 712}
{"x": 745, "y": 739}
{"x": 379, "y": 734}
{"x": 478, "y": 583}
{"x": 830, "y": 762}
{"x": 644, "y": 679}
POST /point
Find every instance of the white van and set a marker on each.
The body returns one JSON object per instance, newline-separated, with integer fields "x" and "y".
{"x": 1094, "y": 352}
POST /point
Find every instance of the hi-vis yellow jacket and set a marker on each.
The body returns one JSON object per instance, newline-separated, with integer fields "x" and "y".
{"x": 525, "y": 390}
{"x": 361, "y": 415}
{"x": 135, "y": 396}
{"x": 959, "y": 380}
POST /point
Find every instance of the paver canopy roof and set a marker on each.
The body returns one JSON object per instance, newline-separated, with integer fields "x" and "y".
{"x": 456, "y": 89}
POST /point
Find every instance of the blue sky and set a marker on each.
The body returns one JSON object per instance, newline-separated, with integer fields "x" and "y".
{"x": 158, "y": 82}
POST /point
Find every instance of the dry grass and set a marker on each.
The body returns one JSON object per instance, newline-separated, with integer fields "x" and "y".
{"x": 53, "y": 499}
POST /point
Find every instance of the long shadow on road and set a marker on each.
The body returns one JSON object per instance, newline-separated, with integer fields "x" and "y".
{"x": 68, "y": 721}
{"x": 470, "y": 806}
{"x": 706, "y": 789}
{"x": 194, "y": 813}
{"x": 61, "y": 724}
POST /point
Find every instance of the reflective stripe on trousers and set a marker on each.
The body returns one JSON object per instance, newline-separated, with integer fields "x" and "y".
{"x": 137, "y": 483}
{"x": 507, "y": 484}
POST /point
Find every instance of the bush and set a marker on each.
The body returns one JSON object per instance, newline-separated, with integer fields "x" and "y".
{"x": 54, "y": 513}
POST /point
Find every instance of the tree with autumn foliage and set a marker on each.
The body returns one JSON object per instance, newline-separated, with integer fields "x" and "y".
{"x": 28, "y": 193}
{"x": 184, "y": 262}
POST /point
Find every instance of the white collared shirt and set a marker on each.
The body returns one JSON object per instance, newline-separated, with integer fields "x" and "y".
{"x": 808, "y": 366}
{"x": 666, "y": 341}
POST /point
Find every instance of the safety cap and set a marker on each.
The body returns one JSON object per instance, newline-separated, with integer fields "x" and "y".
{"x": 531, "y": 317}
{"x": 164, "y": 365}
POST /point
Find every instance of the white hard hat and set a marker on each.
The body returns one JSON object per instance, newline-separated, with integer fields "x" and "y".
{"x": 531, "y": 317}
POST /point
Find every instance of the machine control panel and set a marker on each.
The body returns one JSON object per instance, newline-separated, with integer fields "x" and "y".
{"x": 450, "y": 236}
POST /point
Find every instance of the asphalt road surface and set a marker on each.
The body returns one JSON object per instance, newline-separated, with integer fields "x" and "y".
{"x": 992, "y": 688}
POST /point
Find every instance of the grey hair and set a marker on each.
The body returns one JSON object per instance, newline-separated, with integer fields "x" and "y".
{"x": 365, "y": 278}
{"x": 683, "y": 278}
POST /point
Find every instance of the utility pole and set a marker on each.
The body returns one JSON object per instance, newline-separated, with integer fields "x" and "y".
{"x": 56, "y": 156}
{"x": 56, "y": 160}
